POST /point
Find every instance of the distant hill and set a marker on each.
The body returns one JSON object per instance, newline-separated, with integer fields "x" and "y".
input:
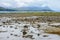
{"x": 26, "y": 9}
{"x": 34, "y": 9}
{"x": 6, "y": 9}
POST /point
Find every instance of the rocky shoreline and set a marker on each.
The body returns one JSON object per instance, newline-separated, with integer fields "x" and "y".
{"x": 32, "y": 28}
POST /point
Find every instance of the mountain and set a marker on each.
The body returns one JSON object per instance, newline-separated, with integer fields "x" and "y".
{"x": 34, "y": 9}
{"x": 26, "y": 9}
{"x": 5, "y": 9}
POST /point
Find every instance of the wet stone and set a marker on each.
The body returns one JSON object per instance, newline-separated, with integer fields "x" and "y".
{"x": 24, "y": 33}
{"x": 11, "y": 26}
{"x": 0, "y": 25}
{"x": 3, "y": 22}
{"x": 38, "y": 26}
{"x": 25, "y": 26}
{"x": 11, "y": 34}
{"x": 3, "y": 26}
{"x": 16, "y": 28}
{"x": 38, "y": 34}
{"x": 29, "y": 36}
{"x": 45, "y": 35}
{"x": 15, "y": 35}
{"x": 19, "y": 23}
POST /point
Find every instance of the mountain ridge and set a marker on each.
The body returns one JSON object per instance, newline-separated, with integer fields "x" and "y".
{"x": 26, "y": 9}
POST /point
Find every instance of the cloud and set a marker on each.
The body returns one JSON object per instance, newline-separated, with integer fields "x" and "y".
{"x": 21, "y": 3}
{"x": 28, "y": 1}
{"x": 24, "y": 3}
{"x": 6, "y": 4}
{"x": 53, "y": 4}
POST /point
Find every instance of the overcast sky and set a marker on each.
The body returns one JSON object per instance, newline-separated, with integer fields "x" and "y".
{"x": 53, "y": 4}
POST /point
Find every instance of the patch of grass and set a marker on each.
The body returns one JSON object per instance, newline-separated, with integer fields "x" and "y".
{"x": 53, "y": 30}
{"x": 31, "y": 14}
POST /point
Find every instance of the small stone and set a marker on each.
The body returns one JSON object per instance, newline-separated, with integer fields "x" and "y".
{"x": 15, "y": 35}
{"x": 11, "y": 26}
{"x": 3, "y": 26}
{"x": 45, "y": 35}
{"x": 0, "y": 25}
{"x": 11, "y": 34}
{"x": 16, "y": 28}
{"x": 38, "y": 34}
{"x": 25, "y": 26}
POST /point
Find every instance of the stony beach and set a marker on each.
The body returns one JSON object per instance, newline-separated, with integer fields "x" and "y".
{"x": 30, "y": 28}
